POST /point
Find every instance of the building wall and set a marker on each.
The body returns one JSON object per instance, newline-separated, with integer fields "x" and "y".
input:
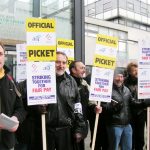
{"x": 133, "y": 36}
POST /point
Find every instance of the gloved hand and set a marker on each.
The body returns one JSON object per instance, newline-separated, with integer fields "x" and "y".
{"x": 78, "y": 137}
{"x": 146, "y": 102}
{"x": 116, "y": 106}
{"x": 42, "y": 109}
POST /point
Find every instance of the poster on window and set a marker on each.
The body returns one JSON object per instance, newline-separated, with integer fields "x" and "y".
{"x": 21, "y": 62}
{"x": 41, "y": 83}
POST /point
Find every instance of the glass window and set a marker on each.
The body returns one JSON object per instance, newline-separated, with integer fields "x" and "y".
{"x": 143, "y": 11}
{"x": 129, "y": 23}
{"x": 143, "y": 27}
{"x": 130, "y": 6}
{"x": 107, "y": 6}
{"x": 93, "y": 27}
{"x": 61, "y": 10}
{"x": 121, "y": 21}
{"x": 90, "y": 1}
{"x": 148, "y": 29}
{"x": 103, "y": 30}
{"x": 135, "y": 25}
{"x": 12, "y": 19}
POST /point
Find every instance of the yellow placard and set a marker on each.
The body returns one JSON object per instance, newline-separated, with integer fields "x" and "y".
{"x": 107, "y": 40}
{"x": 104, "y": 62}
{"x": 40, "y": 25}
{"x": 41, "y": 53}
{"x": 63, "y": 43}
{"x": 70, "y": 60}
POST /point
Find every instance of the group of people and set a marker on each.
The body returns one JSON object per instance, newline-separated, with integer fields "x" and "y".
{"x": 121, "y": 122}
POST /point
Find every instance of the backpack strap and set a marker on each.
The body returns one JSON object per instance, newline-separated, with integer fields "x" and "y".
{"x": 12, "y": 81}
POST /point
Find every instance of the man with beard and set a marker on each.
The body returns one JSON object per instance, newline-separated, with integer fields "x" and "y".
{"x": 119, "y": 130}
{"x": 139, "y": 114}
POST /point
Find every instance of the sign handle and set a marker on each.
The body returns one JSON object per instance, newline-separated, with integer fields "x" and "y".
{"x": 148, "y": 128}
{"x": 43, "y": 132}
{"x": 95, "y": 128}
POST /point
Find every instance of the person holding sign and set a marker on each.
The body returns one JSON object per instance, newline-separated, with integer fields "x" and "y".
{"x": 10, "y": 105}
{"x": 118, "y": 119}
{"x": 64, "y": 120}
{"x": 139, "y": 114}
{"x": 77, "y": 71}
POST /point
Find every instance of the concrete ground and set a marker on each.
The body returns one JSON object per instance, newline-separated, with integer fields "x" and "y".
{"x": 87, "y": 142}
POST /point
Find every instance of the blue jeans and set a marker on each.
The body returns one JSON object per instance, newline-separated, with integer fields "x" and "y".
{"x": 120, "y": 135}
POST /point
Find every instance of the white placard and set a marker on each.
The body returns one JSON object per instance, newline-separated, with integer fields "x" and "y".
{"x": 41, "y": 83}
{"x": 144, "y": 53}
{"x": 41, "y": 38}
{"x": 21, "y": 62}
{"x": 101, "y": 84}
{"x": 143, "y": 83}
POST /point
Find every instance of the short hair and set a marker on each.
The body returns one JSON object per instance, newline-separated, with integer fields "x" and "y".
{"x": 2, "y": 45}
{"x": 130, "y": 65}
{"x": 62, "y": 53}
{"x": 72, "y": 65}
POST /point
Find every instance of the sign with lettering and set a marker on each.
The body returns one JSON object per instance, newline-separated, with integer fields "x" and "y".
{"x": 41, "y": 83}
{"x": 21, "y": 62}
{"x": 66, "y": 46}
{"x": 101, "y": 84}
{"x": 103, "y": 68}
{"x": 41, "y": 39}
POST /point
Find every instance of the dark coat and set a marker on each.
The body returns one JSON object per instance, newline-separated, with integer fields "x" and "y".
{"x": 25, "y": 132}
{"x": 141, "y": 104}
{"x": 119, "y": 113}
{"x": 63, "y": 113}
{"x": 12, "y": 106}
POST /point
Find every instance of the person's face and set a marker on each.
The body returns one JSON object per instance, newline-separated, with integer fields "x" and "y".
{"x": 134, "y": 72}
{"x": 79, "y": 70}
{"x": 2, "y": 57}
{"x": 118, "y": 80}
{"x": 61, "y": 64}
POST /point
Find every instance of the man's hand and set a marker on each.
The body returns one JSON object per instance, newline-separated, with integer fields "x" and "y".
{"x": 1, "y": 127}
{"x": 14, "y": 129}
{"x": 98, "y": 109}
{"x": 78, "y": 137}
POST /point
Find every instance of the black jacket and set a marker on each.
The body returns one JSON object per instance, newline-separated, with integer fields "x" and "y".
{"x": 11, "y": 105}
{"x": 140, "y": 104}
{"x": 63, "y": 113}
{"x": 25, "y": 133}
{"x": 119, "y": 113}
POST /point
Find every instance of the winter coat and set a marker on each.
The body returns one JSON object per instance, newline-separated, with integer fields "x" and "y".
{"x": 119, "y": 112}
{"x": 11, "y": 105}
{"x": 67, "y": 111}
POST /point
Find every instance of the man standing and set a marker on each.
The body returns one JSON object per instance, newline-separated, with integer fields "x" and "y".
{"x": 10, "y": 104}
{"x": 64, "y": 120}
{"x": 139, "y": 114}
{"x": 118, "y": 121}
{"x": 77, "y": 71}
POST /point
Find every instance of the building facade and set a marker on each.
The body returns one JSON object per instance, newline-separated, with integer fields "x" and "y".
{"x": 123, "y": 19}
{"x": 67, "y": 13}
